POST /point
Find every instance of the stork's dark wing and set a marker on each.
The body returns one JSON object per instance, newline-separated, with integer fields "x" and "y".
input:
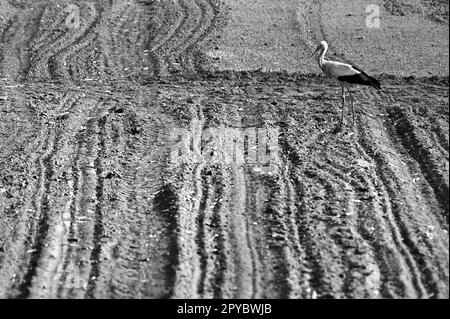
{"x": 361, "y": 78}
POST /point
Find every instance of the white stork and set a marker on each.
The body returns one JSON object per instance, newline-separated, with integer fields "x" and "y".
{"x": 345, "y": 75}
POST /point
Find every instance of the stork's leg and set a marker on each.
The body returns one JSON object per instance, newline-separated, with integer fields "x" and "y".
{"x": 353, "y": 106}
{"x": 343, "y": 104}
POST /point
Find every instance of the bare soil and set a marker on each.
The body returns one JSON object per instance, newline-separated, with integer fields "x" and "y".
{"x": 93, "y": 205}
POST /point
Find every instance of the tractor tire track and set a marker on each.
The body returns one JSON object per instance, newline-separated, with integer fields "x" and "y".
{"x": 403, "y": 230}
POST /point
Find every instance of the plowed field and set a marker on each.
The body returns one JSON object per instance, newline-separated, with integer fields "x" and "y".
{"x": 166, "y": 149}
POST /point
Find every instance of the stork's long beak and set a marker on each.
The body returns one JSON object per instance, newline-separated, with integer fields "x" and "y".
{"x": 317, "y": 49}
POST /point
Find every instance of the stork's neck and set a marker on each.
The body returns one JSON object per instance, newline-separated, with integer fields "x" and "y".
{"x": 322, "y": 57}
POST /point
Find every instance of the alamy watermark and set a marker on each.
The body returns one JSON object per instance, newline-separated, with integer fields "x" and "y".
{"x": 73, "y": 279}
{"x": 72, "y": 13}
{"x": 225, "y": 146}
{"x": 73, "y": 17}
{"x": 373, "y": 17}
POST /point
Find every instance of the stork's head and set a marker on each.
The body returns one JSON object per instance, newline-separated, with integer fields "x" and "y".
{"x": 323, "y": 46}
